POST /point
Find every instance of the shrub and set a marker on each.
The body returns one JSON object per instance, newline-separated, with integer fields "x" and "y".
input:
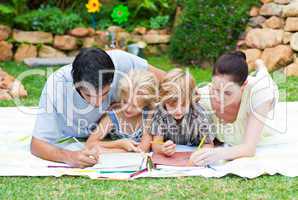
{"x": 159, "y": 22}
{"x": 62, "y": 4}
{"x": 208, "y": 28}
{"x": 49, "y": 19}
{"x": 9, "y": 10}
{"x": 151, "y": 13}
{"x": 103, "y": 24}
{"x": 6, "y": 14}
{"x": 145, "y": 8}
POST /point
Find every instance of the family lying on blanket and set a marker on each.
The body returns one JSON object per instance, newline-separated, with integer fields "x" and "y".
{"x": 121, "y": 103}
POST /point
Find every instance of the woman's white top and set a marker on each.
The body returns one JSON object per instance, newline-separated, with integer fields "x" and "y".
{"x": 259, "y": 89}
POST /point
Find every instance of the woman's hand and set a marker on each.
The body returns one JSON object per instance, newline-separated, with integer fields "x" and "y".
{"x": 206, "y": 156}
{"x": 129, "y": 145}
{"x": 168, "y": 148}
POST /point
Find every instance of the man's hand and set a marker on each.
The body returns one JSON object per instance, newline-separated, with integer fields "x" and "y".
{"x": 168, "y": 148}
{"x": 83, "y": 158}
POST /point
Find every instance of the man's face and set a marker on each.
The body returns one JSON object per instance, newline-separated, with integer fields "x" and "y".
{"x": 95, "y": 97}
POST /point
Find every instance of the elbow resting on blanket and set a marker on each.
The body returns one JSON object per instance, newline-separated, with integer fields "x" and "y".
{"x": 248, "y": 151}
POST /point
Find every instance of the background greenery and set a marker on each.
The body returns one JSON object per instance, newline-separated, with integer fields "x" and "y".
{"x": 49, "y": 19}
{"x": 59, "y": 16}
{"x": 208, "y": 28}
{"x": 205, "y": 30}
{"x": 34, "y": 84}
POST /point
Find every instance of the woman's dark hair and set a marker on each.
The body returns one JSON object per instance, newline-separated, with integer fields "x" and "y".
{"x": 93, "y": 66}
{"x": 233, "y": 64}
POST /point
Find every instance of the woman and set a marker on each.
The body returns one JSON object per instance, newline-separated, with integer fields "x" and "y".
{"x": 242, "y": 108}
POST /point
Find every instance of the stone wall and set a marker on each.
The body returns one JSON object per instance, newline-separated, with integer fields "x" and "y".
{"x": 272, "y": 35}
{"x": 18, "y": 45}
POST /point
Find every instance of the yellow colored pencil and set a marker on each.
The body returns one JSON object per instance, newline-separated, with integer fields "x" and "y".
{"x": 85, "y": 170}
{"x": 202, "y": 142}
{"x": 157, "y": 142}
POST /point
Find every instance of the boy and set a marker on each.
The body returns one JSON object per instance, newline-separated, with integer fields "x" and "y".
{"x": 178, "y": 120}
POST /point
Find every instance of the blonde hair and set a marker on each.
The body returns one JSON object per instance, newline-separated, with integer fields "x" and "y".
{"x": 178, "y": 85}
{"x": 142, "y": 83}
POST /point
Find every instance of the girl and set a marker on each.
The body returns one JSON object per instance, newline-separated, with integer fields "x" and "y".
{"x": 127, "y": 123}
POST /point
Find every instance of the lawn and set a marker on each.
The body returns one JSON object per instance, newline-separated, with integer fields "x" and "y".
{"x": 230, "y": 187}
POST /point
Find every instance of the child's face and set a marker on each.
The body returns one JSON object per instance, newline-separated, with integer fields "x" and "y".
{"x": 177, "y": 109}
{"x": 131, "y": 107}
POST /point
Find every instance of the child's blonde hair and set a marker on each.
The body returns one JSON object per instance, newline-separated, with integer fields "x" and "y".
{"x": 178, "y": 85}
{"x": 142, "y": 83}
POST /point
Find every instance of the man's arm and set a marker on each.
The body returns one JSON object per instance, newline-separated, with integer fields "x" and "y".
{"x": 47, "y": 130}
{"x": 49, "y": 152}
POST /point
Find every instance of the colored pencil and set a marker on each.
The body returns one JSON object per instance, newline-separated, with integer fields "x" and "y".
{"x": 113, "y": 172}
{"x": 157, "y": 142}
{"x": 77, "y": 141}
{"x": 59, "y": 166}
{"x": 200, "y": 146}
{"x": 202, "y": 142}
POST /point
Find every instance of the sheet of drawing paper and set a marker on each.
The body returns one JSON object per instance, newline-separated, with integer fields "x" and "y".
{"x": 178, "y": 159}
{"x": 185, "y": 148}
{"x": 119, "y": 160}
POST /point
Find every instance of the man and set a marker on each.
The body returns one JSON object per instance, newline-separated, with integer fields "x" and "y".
{"x": 75, "y": 97}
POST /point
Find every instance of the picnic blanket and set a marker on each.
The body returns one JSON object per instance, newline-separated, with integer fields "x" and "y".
{"x": 16, "y": 125}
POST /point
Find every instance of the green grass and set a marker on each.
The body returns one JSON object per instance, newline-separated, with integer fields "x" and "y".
{"x": 33, "y": 84}
{"x": 229, "y": 187}
{"x": 265, "y": 187}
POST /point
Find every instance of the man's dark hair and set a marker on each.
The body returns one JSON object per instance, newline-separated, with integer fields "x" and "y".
{"x": 88, "y": 65}
{"x": 233, "y": 64}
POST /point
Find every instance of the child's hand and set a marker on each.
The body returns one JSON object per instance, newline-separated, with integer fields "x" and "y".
{"x": 168, "y": 148}
{"x": 129, "y": 145}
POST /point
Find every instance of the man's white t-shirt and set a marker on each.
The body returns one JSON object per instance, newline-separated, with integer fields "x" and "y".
{"x": 64, "y": 113}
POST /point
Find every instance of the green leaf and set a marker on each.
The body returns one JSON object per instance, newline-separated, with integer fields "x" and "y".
{"x": 6, "y": 9}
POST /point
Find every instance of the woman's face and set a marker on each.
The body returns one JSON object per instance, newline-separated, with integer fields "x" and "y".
{"x": 224, "y": 91}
